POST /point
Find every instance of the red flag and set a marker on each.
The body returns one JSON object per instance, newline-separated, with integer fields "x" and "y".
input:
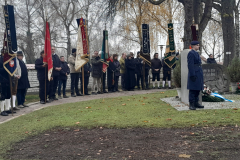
{"x": 47, "y": 51}
{"x": 84, "y": 38}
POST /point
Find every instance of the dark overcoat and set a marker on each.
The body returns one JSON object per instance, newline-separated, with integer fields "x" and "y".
{"x": 87, "y": 70}
{"x": 96, "y": 67}
{"x": 211, "y": 60}
{"x": 23, "y": 82}
{"x": 56, "y": 63}
{"x": 65, "y": 69}
{"x": 117, "y": 66}
{"x": 195, "y": 72}
{"x": 130, "y": 74}
{"x": 41, "y": 71}
{"x": 139, "y": 66}
{"x": 4, "y": 77}
{"x": 110, "y": 71}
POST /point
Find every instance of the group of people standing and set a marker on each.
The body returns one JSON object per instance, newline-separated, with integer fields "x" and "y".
{"x": 20, "y": 84}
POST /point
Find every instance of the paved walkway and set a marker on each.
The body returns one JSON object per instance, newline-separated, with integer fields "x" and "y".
{"x": 37, "y": 106}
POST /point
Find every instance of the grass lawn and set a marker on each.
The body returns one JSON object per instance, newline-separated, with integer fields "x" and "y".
{"x": 122, "y": 112}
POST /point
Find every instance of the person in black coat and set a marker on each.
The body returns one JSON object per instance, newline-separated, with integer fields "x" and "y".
{"x": 5, "y": 88}
{"x": 156, "y": 67}
{"x": 63, "y": 77}
{"x": 56, "y": 73}
{"x": 146, "y": 73}
{"x": 41, "y": 75}
{"x": 211, "y": 60}
{"x": 111, "y": 75}
{"x": 130, "y": 73}
{"x": 195, "y": 76}
{"x": 23, "y": 82}
{"x": 139, "y": 70}
{"x": 96, "y": 72}
{"x": 117, "y": 71}
{"x": 87, "y": 71}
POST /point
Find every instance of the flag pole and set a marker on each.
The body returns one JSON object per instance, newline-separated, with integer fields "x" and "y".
{"x": 10, "y": 78}
{"x": 83, "y": 79}
{"x": 45, "y": 84}
{"x": 144, "y": 83}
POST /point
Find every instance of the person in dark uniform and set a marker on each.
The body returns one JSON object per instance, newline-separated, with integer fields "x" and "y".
{"x": 41, "y": 75}
{"x": 130, "y": 73}
{"x": 146, "y": 73}
{"x": 87, "y": 71}
{"x": 211, "y": 60}
{"x": 166, "y": 74}
{"x": 156, "y": 67}
{"x": 63, "y": 78}
{"x": 139, "y": 70}
{"x": 56, "y": 73}
{"x": 5, "y": 90}
{"x": 23, "y": 82}
{"x": 195, "y": 76}
{"x": 110, "y": 75}
{"x": 117, "y": 72}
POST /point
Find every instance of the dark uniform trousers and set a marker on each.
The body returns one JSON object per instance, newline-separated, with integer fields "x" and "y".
{"x": 104, "y": 81}
{"x": 123, "y": 75}
{"x": 86, "y": 82}
{"x": 116, "y": 79}
{"x": 54, "y": 85}
{"x": 61, "y": 83}
{"x": 5, "y": 94}
{"x": 166, "y": 75}
{"x": 21, "y": 93}
{"x": 74, "y": 83}
{"x": 139, "y": 77}
{"x": 154, "y": 75}
{"x": 42, "y": 89}
{"x": 193, "y": 95}
{"x": 146, "y": 78}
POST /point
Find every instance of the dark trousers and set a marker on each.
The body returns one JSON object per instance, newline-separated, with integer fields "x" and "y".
{"x": 123, "y": 75}
{"x": 139, "y": 77}
{"x": 154, "y": 75}
{"x": 86, "y": 81}
{"x": 146, "y": 79}
{"x": 21, "y": 93}
{"x": 166, "y": 75}
{"x": 193, "y": 95}
{"x": 74, "y": 83}
{"x": 116, "y": 79}
{"x": 55, "y": 85}
{"x": 60, "y": 84}
{"x": 6, "y": 93}
{"x": 104, "y": 81}
{"x": 42, "y": 89}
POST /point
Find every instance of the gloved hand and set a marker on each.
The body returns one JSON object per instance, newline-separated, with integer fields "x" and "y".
{"x": 193, "y": 78}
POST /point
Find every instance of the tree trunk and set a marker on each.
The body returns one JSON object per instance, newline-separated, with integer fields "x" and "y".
{"x": 69, "y": 46}
{"x": 188, "y": 8}
{"x": 228, "y": 30}
{"x": 237, "y": 30}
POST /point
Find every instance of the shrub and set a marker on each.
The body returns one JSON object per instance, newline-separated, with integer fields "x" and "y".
{"x": 177, "y": 74}
{"x": 234, "y": 70}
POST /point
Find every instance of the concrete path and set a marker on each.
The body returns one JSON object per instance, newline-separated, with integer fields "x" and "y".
{"x": 37, "y": 106}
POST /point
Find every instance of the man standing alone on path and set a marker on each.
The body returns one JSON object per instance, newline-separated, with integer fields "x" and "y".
{"x": 56, "y": 73}
{"x": 74, "y": 74}
{"x": 195, "y": 76}
{"x": 23, "y": 82}
{"x": 63, "y": 77}
{"x": 122, "y": 71}
{"x": 96, "y": 72}
{"x": 156, "y": 67}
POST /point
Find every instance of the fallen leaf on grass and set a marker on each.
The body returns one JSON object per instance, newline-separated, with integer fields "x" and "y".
{"x": 192, "y": 133}
{"x": 124, "y": 104}
{"x": 88, "y": 107}
{"x": 26, "y": 132}
{"x": 169, "y": 119}
{"x": 145, "y": 121}
{"x": 128, "y": 99}
{"x": 77, "y": 122}
{"x": 184, "y": 156}
{"x": 143, "y": 104}
{"x": 77, "y": 130}
{"x": 235, "y": 109}
{"x": 204, "y": 121}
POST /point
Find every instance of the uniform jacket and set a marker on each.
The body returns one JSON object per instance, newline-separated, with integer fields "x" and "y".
{"x": 156, "y": 64}
{"x": 122, "y": 65}
{"x": 195, "y": 72}
{"x": 139, "y": 66}
{"x": 65, "y": 69}
{"x": 56, "y": 63}
{"x": 4, "y": 77}
{"x": 130, "y": 74}
{"x": 87, "y": 70}
{"x": 165, "y": 67}
{"x": 110, "y": 71}
{"x": 41, "y": 71}
{"x": 117, "y": 66}
{"x": 23, "y": 82}
{"x": 96, "y": 67}
{"x": 71, "y": 62}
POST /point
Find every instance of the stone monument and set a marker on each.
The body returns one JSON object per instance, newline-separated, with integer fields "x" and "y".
{"x": 216, "y": 78}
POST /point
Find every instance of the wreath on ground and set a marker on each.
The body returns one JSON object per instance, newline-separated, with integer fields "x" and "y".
{"x": 207, "y": 97}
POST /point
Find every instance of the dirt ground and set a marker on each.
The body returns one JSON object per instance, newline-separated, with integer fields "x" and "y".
{"x": 100, "y": 143}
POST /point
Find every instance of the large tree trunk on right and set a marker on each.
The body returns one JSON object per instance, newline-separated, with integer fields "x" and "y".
{"x": 228, "y": 30}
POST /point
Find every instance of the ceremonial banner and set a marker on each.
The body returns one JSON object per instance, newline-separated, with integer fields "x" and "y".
{"x": 169, "y": 59}
{"x": 105, "y": 51}
{"x": 145, "y": 52}
{"x": 171, "y": 38}
{"x": 10, "y": 41}
{"x": 47, "y": 51}
{"x": 82, "y": 47}
{"x": 194, "y": 29}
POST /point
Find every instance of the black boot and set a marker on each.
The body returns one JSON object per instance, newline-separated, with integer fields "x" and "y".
{"x": 197, "y": 105}
{"x": 192, "y": 106}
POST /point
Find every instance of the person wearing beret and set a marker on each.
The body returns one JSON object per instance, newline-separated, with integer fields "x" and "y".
{"x": 23, "y": 82}
{"x": 195, "y": 76}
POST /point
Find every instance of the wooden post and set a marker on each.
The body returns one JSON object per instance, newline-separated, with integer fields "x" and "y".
{"x": 10, "y": 79}
{"x": 83, "y": 79}
{"x": 144, "y": 83}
